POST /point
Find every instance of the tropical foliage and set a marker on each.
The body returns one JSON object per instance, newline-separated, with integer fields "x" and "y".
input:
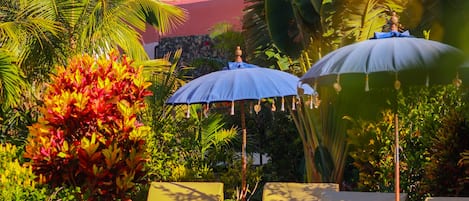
{"x": 17, "y": 182}
{"x": 259, "y": 47}
{"x": 320, "y": 27}
{"x": 433, "y": 132}
{"x": 11, "y": 81}
{"x": 279, "y": 139}
{"x": 89, "y": 136}
{"x": 45, "y": 33}
{"x": 182, "y": 147}
{"x": 226, "y": 38}
{"x": 37, "y": 35}
{"x": 82, "y": 135}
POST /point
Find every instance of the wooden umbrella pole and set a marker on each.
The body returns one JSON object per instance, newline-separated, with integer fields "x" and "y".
{"x": 396, "y": 156}
{"x": 238, "y": 53}
{"x": 243, "y": 154}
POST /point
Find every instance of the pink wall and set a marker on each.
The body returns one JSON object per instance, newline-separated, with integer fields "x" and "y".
{"x": 202, "y": 15}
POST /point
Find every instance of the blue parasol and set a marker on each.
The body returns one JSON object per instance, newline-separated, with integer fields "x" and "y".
{"x": 240, "y": 81}
{"x": 389, "y": 59}
{"x": 415, "y": 60}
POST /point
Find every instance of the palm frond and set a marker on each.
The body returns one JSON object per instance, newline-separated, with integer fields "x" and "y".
{"x": 225, "y": 136}
{"x": 358, "y": 19}
{"x": 362, "y": 19}
{"x": 164, "y": 17}
{"x": 12, "y": 83}
{"x": 120, "y": 24}
{"x": 154, "y": 66}
{"x": 70, "y": 12}
{"x": 210, "y": 126}
{"x": 22, "y": 20}
{"x": 213, "y": 135}
{"x": 255, "y": 27}
{"x": 165, "y": 80}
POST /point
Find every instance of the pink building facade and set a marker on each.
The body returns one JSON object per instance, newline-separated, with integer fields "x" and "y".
{"x": 202, "y": 15}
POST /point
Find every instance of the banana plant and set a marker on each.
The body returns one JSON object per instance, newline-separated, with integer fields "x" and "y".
{"x": 307, "y": 30}
{"x": 291, "y": 24}
{"x": 317, "y": 27}
{"x": 343, "y": 22}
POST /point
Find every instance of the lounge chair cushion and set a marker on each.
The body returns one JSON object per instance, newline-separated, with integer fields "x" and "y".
{"x": 361, "y": 196}
{"x": 447, "y": 199}
{"x": 185, "y": 191}
{"x": 286, "y": 191}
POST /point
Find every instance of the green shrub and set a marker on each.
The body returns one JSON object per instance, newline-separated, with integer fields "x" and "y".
{"x": 372, "y": 150}
{"x": 89, "y": 135}
{"x": 180, "y": 148}
{"x": 444, "y": 176}
{"x": 231, "y": 179}
{"x": 17, "y": 180}
{"x": 433, "y": 129}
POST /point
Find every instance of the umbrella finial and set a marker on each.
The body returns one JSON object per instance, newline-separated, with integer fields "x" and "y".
{"x": 238, "y": 53}
{"x": 393, "y": 23}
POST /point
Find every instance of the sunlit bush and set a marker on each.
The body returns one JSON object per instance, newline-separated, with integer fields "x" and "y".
{"x": 89, "y": 135}
{"x": 433, "y": 129}
{"x": 17, "y": 181}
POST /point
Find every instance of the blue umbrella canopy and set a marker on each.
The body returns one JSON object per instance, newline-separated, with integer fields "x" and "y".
{"x": 391, "y": 58}
{"x": 239, "y": 81}
{"x": 387, "y": 60}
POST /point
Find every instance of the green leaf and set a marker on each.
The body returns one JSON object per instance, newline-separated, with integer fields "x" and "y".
{"x": 317, "y": 4}
{"x": 12, "y": 83}
{"x": 282, "y": 26}
{"x": 307, "y": 10}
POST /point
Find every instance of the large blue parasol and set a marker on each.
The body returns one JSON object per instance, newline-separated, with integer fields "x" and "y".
{"x": 388, "y": 60}
{"x": 392, "y": 59}
{"x": 240, "y": 81}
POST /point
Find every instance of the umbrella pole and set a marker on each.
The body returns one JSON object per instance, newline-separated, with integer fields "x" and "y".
{"x": 243, "y": 154}
{"x": 396, "y": 157}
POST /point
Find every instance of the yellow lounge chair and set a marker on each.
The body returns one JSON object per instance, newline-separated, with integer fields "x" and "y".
{"x": 185, "y": 191}
{"x": 286, "y": 191}
{"x": 361, "y": 196}
{"x": 447, "y": 199}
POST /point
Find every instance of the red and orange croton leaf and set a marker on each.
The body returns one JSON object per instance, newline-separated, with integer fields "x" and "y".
{"x": 89, "y": 135}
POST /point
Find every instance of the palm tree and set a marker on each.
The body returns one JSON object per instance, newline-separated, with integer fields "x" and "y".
{"x": 19, "y": 22}
{"x": 69, "y": 27}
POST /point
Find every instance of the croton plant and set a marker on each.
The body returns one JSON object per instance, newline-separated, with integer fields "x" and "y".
{"x": 89, "y": 135}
